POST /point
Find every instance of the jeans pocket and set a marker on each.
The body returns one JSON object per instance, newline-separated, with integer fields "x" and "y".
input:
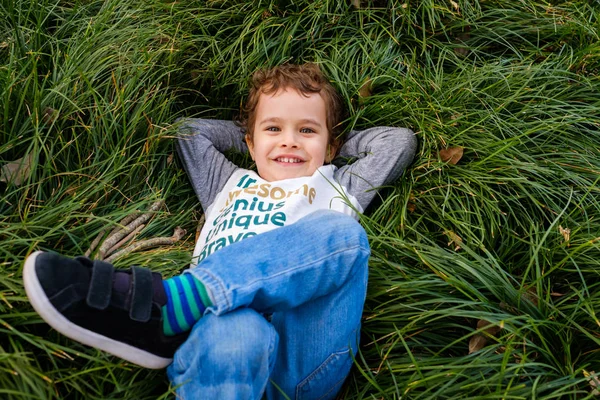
{"x": 325, "y": 381}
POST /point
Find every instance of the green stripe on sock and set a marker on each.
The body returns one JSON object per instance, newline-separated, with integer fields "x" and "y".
{"x": 191, "y": 299}
{"x": 203, "y": 293}
{"x": 177, "y": 305}
{"x": 167, "y": 329}
{"x": 187, "y": 298}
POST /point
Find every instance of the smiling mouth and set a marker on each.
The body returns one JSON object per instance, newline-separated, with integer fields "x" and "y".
{"x": 289, "y": 160}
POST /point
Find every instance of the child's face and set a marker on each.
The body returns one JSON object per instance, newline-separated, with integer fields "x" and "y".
{"x": 290, "y": 135}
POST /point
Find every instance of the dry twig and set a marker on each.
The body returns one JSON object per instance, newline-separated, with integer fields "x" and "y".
{"x": 144, "y": 244}
{"x": 112, "y": 240}
{"x": 96, "y": 241}
{"x": 127, "y": 239}
{"x": 124, "y": 222}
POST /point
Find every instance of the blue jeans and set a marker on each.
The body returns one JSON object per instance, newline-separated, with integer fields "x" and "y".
{"x": 312, "y": 277}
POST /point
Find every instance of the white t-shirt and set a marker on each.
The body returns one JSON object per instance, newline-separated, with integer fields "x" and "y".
{"x": 249, "y": 205}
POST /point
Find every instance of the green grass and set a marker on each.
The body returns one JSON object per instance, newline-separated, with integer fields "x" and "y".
{"x": 91, "y": 90}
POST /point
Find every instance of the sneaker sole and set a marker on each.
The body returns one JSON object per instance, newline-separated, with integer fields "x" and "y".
{"x": 41, "y": 304}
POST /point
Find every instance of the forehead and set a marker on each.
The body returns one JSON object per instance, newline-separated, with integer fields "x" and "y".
{"x": 290, "y": 104}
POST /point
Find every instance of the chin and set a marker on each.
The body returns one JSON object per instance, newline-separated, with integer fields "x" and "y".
{"x": 288, "y": 176}
{"x": 280, "y": 177}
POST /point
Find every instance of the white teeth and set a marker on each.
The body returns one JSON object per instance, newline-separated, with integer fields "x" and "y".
{"x": 288, "y": 160}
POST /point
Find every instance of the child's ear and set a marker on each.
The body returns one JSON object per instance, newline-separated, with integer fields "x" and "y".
{"x": 250, "y": 146}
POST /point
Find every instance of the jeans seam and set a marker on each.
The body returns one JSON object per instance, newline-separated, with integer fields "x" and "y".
{"x": 323, "y": 365}
{"x": 272, "y": 349}
{"x": 332, "y": 387}
{"x": 215, "y": 286}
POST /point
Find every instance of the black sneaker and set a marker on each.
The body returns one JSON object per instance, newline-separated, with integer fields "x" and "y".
{"x": 118, "y": 311}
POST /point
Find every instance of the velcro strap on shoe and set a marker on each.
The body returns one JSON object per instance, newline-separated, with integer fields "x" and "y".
{"x": 141, "y": 295}
{"x": 100, "y": 285}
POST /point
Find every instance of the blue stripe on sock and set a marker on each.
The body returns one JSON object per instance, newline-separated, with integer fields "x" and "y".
{"x": 185, "y": 306}
{"x": 170, "y": 310}
{"x": 193, "y": 306}
{"x": 192, "y": 282}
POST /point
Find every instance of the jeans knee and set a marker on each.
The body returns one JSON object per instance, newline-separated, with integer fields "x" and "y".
{"x": 337, "y": 223}
{"x": 242, "y": 335}
{"x": 226, "y": 357}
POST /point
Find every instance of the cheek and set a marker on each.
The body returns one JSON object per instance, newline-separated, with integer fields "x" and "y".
{"x": 261, "y": 152}
{"x": 323, "y": 151}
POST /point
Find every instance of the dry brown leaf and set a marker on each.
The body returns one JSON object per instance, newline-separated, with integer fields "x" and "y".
{"x": 452, "y": 154}
{"x": 477, "y": 343}
{"x": 356, "y": 3}
{"x": 195, "y": 77}
{"x": 504, "y": 306}
{"x": 488, "y": 326}
{"x": 460, "y": 41}
{"x": 454, "y": 117}
{"x": 411, "y": 205}
{"x": 566, "y": 233}
{"x": 455, "y": 5}
{"x": 366, "y": 88}
{"x": 594, "y": 381}
{"x": 462, "y": 50}
{"x": 454, "y": 240}
{"x": 531, "y": 295}
{"x": 49, "y": 116}
{"x": 162, "y": 39}
{"x": 16, "y": 171}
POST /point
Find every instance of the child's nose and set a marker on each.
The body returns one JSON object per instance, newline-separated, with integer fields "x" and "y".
{"x": 289, "y": 139}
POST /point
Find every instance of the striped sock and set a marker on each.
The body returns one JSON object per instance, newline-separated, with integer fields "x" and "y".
{"x": 186, "y": 301}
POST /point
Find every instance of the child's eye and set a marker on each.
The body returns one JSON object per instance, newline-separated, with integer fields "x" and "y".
{"x": 273, "y": 129}
{"x": 306, "y": 130}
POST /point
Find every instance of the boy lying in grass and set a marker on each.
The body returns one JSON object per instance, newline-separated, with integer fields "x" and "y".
{"x": 282, "y": 243}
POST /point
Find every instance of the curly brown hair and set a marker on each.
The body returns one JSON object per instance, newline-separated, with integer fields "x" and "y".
{"x": 306, "y": 79}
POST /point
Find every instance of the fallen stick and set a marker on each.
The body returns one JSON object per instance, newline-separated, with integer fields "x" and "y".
{"x": 127, "y": 239}
{"x": 96, "y": 241}
{"x": 111, "y": 241}
{"x": 144, "y": 244}
{"x": 124, "y": 222}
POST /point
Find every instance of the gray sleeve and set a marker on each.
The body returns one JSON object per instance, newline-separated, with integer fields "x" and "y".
{"x": 200, "y": 145}
{"x": 381, "y": 154}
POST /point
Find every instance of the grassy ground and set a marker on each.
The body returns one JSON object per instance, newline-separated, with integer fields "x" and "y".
{"x": 510, "y": 234}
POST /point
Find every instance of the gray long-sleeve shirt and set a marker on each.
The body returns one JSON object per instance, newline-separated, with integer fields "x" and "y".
{"x": 380, "y": 156}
